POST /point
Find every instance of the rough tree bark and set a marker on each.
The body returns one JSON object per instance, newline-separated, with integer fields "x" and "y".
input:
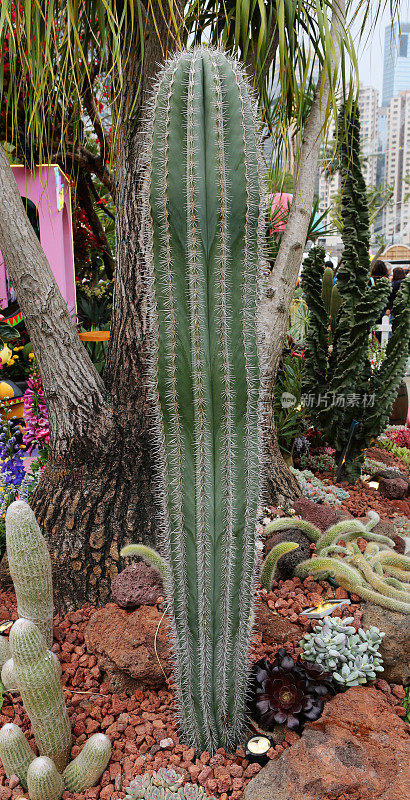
{"x": 95, "y": 494}
{"x": 281, "y": 487}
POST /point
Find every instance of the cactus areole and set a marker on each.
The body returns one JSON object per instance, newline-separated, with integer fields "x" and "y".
{"x": 202, "y": 237}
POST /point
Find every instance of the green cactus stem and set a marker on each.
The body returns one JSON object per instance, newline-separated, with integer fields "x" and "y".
{"x": 4, "y": 650}
{"x": 203, "y": 233}
{"x": 8, "y": 676}
{"x": 287, "y": 523}
{"x": 393, "y": 559}
{"x": 30, "y": 568}
{"x": 86, "y": 770}
{"x": 44, "y": 781}
{"x": 377, "y": 583}
{"x": 150, "y": 556}
{"x": 15, "y": 752}
{"x": 41, "y": 691}
{"x": 269, "y": 564}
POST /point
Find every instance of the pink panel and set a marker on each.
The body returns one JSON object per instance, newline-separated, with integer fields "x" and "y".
{"x": 48, "y": 189}
{"x": 279, "y": 210}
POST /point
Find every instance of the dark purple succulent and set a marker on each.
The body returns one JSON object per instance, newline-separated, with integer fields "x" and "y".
{"x": 288, "y": 692}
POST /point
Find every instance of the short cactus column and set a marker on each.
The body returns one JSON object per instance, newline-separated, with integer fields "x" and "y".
{"x": 8, "y": 676}
{"x": 30, "y": 568}
{"x": 41, "y": 691}
{"x": 44, "y": 781}
{"x": 15, "y": 752}
{"x": 86, "y": 770}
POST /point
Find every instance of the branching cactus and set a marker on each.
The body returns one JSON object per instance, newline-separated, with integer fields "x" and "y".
{"x": 202, "y": 236}
{"x": 44, "y": 781}
{"x": 15, "y": 752}
{"x": 86, "y": 770}
{"x": 30, "y": 568}
{"x": 41, "y": 691}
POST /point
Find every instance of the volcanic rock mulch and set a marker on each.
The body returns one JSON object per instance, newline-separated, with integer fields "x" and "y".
{"x": 142, "y": 728}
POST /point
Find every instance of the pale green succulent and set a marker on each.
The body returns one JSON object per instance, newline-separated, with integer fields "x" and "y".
{"x": 166, "y": 784}
{"x": 351, "y": 656}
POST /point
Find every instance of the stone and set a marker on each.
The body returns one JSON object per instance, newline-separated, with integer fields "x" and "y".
{"x": 320, "y": 514}
{"x": 393, "y": 488}
{"x": 275, "y": 629}
{"x": 286, "y": 565}
{"x": 395, "y": 647}
{"x": 137, "y": 585}
{"x": 358, "y": 749}
{"x": 132, "y": 648}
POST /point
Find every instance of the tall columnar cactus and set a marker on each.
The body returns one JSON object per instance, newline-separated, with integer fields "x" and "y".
{"x": 15, "y": 752}
{"x": 341, "y": 384}
{"x": 203, "y": 230}
{"x": 30, "y": 568}
{"x": 41, "y": 691}
{"x": 44, "y": 781}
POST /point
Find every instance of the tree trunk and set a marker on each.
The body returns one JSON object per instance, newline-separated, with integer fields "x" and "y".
{"x": 95, "y": 494}
{"x": 281, "y": 485}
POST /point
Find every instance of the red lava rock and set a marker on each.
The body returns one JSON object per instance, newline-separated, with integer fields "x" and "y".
{"x": 322, "y": 515}
{"x": 399, "y": 692}
{"x": 393, "y": 488}
{"x": 358, "y": 748}
{"x": 137, "y": 585}
{"x": 123, "y": 643}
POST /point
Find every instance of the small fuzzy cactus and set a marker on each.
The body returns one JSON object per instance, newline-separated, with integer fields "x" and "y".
{"x": 8, "y": 676}
{"x": 269, "y": 564}
{"x": 40, "y": 688}
{"x": 166, "y": 784}
{"x": 43, "y": 780}
{"x": 352, "y": 657}
{"x": 4, "y": 651}
{"x": 86, "y": 770}
{"x": 30, "y": 568}
{"x": 15, "y": 752}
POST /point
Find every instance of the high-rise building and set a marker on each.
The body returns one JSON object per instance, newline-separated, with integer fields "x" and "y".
{"x": 369, "y": 106}
{"x": 397, "y": 169}
{"x": 396, "y": 66}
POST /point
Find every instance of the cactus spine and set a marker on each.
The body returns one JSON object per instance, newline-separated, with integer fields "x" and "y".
{"x": 15, "y": 752}
{"x": 40, "y": 688}
{"x": 203, "y": 229}
{"x": 86, "y": 770}
{"x": 30, "y": 568}
{"x": 44, "y": 781}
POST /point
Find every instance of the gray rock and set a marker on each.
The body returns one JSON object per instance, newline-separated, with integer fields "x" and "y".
{"x": 395, "y": 647}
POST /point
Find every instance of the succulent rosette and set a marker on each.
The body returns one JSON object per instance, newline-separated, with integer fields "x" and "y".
{"x": 287, "y": 692}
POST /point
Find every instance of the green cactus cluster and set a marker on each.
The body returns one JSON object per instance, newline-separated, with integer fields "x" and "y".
{"x": 203, "y": 231}
{"x": 379, "y": 575}
{"x": 34, "y": 671}
{"x": 351, "y": 656}
{"x": 166, "y": 784}
{"x": 338, "y": 375}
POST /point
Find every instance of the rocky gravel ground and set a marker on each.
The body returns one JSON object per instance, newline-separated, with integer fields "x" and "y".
{"x": 142, "y": 727}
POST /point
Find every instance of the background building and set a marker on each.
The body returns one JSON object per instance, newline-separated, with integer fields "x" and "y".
{"x": 396, "y": 65}
{"x": 396, "y": 228}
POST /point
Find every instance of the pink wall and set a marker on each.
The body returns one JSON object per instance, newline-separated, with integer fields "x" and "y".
{"x": 48, "y": 189}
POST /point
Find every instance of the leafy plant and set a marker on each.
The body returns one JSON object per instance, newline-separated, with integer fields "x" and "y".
{"x": 359, "y": 396}
{"x": 406, "y": 703}
{"x": 288, "y": 387}
{"x": 351, "y": 657}
{"x": 399, "y": 435}
{"x": 285, "y": 692}
{"x": 2, "y": 693}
